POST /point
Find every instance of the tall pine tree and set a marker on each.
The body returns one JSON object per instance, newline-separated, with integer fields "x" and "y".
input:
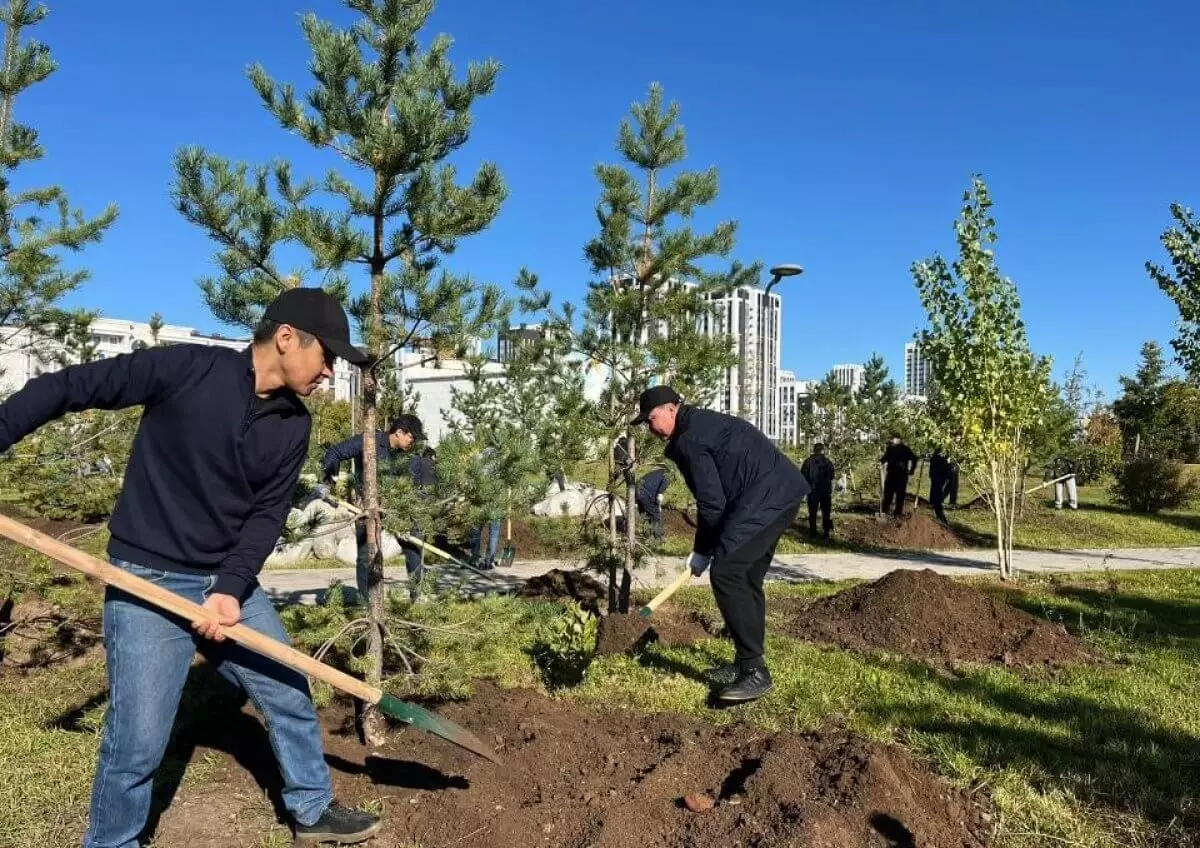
{"x": 36, "y": 224}
{"x": 645, "y": 315}
{"x": 390, "y": 112}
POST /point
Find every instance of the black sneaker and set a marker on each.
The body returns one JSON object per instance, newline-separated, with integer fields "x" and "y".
{"x": 339, "y": 825}
{"x": 723, "y": 675}
{"x": 749, "y": 686}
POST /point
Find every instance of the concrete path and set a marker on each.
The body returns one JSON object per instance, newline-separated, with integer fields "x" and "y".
{"x": 310, "y": 585}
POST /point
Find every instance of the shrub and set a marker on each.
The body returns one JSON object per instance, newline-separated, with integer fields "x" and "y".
{"x": 1149, "y": 484}
{"x": 566, "y": 645}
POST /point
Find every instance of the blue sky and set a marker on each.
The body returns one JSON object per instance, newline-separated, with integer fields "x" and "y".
{"x": 845, "y": 134}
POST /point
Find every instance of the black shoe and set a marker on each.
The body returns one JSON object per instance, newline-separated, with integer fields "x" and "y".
{"x": 749, "y": 686}
{"x": 339, "y": 825}
{"x": 723, "y": 675}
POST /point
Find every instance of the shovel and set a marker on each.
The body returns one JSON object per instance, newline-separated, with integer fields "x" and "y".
{"x": 674, "y": 586}
{"x": 413, "y": 540}
{"x": 510, "y": 553}
{"x": 244, "y": 636}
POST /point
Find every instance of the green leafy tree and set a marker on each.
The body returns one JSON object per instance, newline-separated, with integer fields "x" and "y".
{"x": 390, "y": 113}
{"x": 1182, "y": 284}
{"x": 991, "y": 388}
{"x": 37, "y": 225}
{"x": 645, "y": 314}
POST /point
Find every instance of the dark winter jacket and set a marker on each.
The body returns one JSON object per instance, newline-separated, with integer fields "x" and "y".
{"x": 213, "y": 466}
{"x": 818, "y": 470}
{"x": 939, "y": 469}
{"x": 351, "y": 451}
{"x": 652, "y": 485}
{"x": 741, "y": 482}
{"x": 900, "y": 460}
{"x": 423, "y": 468}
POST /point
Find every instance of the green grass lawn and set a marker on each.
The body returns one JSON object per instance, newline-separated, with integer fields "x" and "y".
{"x": 1093, "y": 757}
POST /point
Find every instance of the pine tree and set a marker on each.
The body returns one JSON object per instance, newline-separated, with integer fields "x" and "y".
{"x": 391, "y": 113}
{"x": 644, "y": 316}
{"x": 36, "y": 224}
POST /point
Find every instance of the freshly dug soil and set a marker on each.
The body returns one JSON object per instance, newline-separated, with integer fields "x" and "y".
{"x": 558, "y": 583}
{"x": 619, "y": 633}
{"x": 574, "y": 777}
{"x": 927, "y": 615}
{"x": 36, "y": 633}
{"x": 916, "y": 531}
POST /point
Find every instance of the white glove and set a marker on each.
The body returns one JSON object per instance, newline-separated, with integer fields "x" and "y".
{"x": 660, "y": 500}
{"x": 698, "y": 563}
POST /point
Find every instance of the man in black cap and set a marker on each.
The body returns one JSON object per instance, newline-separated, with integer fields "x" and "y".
{"x": 747, "y": 494}
{"x": 404, "y": 433}
{"x": 208, "y": 486}
{"x": 818, "y": 470}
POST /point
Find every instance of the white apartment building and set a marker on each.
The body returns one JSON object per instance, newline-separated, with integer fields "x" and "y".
{"x": 22, "y": 357}
{"x": 917, "y": 373}
{"x": 788, "y": 434}
{"x": 750, "y": 389}
{"x": 849, "y": 376}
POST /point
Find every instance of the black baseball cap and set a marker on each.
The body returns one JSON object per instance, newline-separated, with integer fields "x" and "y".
{"x": 319, "y": 313}
{"x": 651, "y": 399}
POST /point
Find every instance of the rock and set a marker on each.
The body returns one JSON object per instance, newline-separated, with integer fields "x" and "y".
{"x": 579, "y": 499}
{"x": 699, "y": 802}
{"x": 347, "y": 551}
{"x": 290, "y": 554}
{"x": 391, "y": 546}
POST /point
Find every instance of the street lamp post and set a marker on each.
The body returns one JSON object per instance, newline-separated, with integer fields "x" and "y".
{"x": 778, "y": 272}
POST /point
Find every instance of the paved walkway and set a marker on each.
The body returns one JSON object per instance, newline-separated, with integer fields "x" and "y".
{"x": 310, "y": 585}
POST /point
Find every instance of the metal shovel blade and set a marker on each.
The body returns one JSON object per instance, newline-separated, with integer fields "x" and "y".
{"x": 420, "y": 717}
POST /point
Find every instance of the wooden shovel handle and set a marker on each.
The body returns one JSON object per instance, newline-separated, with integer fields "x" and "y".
{"x": 678, "y": 583}
{"x": 182, "y": 607}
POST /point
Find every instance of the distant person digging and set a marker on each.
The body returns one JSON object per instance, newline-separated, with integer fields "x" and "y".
{"x": 899, "y": 463}
{"x": 747, "y": 494}
{"x": 819, "y": 471}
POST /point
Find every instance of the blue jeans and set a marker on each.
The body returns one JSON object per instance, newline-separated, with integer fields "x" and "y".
{"x": 149, "y": 653}
{"x": 414, "y": 564}
{"x": 476, "y": 538}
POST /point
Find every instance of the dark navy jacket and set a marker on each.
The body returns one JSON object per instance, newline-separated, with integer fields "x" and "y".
{"x": 651, "y": 486}
{"x": 742, "y": 483}
{"x": 421, "y": 466}
{"x": 210, "y": 477}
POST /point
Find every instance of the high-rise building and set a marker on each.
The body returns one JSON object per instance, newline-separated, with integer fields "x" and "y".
{"x": 750, "y": 387}
{"x": 917, "y": 373}
{"x": 787, "y": 408}
{"x": 849, "y": 376}
{"x": 511, "y": 339}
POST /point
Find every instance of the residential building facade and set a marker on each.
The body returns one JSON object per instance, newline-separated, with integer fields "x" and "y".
{"x": 917, "y": 373}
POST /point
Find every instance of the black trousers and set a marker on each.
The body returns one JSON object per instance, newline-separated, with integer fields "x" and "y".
{"x": 937, "y": 497}
{"x": 824, "y": 502}
{"x": 895, "y": 486}
{"x": 737, "y": 583}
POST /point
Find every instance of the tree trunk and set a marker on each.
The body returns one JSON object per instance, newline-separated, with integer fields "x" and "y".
{"x": 630, "y": 525}
{"x": 999, "y": 510}
{"x": 374, "y": 726}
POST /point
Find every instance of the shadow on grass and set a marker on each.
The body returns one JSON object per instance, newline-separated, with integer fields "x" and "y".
{"x": 1116, "y": 757}
{"x": 1150, "y": 621}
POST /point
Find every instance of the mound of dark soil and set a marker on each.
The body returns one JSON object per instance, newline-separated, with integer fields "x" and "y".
{"x": 557, "y": 583}
{"x": 916, "y": 531}
{"x": 927, "y": 615}
{"x": 619, "y": 633}
{"x": 573, "y": 777}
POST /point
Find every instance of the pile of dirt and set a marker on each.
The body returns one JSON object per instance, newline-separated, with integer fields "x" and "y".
{"x": 619, "y": 633}
{"x": 558, "y": 583}
{"x": 572, "y": 777}
{"x": 35, "y": 633}
{"x": 927, "y": 615}
{"x": 915, "y": 531}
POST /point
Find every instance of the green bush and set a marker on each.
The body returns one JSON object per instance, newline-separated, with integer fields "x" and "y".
{"x": 1150, "y": 484}
{"x": 565, "y": 646}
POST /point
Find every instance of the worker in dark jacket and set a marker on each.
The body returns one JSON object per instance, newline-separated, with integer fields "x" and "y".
{"x": 818, "y": 470}
{"x": 747, "y": 494}
{"x": 404, "y": 432}
{"x": 207, "y": 489}
{"x": 940, "y": 475}
{"x": 650, "y": 492}
{"x": 899, "y": 463}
